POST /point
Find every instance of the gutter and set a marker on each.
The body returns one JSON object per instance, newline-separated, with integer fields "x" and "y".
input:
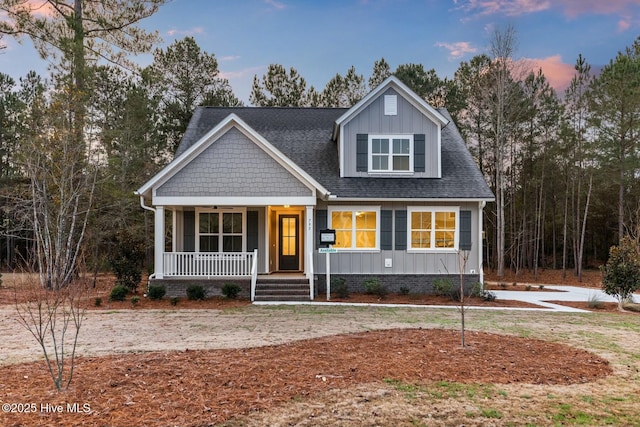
{"x": 149, "y": 208}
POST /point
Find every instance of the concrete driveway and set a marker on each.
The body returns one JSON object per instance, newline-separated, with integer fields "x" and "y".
{"x": 564, "y": 293}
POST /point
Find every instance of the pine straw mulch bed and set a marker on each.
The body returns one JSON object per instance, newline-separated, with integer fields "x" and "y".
{"x": 198, "y": 388}
{"x": 591, "y": 278}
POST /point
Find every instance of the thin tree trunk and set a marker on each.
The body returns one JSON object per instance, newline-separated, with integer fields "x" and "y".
{"x": 582, "y": 233}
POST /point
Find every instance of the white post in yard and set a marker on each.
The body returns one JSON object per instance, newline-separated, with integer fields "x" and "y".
{"x": 328, "y": 277}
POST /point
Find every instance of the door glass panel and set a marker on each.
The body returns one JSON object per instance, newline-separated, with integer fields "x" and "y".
{"x": 289, "y": 231}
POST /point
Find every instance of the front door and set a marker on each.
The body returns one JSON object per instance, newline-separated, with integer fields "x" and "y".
{"x": 289, "y": 242}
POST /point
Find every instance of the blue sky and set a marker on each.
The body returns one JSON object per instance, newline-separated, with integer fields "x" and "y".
{"x": 322, "y": 38}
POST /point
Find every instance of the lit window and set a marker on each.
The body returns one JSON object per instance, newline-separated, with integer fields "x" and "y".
{"x": 391, "y": 153}
{"x": 432, "y": 228}
{"x": 355, "y": 229}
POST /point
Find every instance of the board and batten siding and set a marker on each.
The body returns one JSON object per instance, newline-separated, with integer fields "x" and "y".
{"x": 372, "y": 121}
{"x": 241, "y": 169}
{"x": 403, "y": 261}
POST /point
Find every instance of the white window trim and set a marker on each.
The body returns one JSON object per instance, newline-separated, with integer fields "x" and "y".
{"x": 221, "y": 211}
{"x": 390, "y": 171}
{"x": 456, "y": 234}
{"x": 355, "y": 209}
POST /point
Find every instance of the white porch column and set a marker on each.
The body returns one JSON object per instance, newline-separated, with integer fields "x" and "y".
{"x": 480, "y": 242}
{"x": 158, "y": 239}
{"x": 309, "y": 241}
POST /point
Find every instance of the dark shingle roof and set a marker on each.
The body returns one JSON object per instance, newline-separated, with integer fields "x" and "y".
{"x": 304, "y": 136}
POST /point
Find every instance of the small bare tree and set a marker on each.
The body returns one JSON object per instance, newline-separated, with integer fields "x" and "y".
{"x": 54, "y": 318}
{"x": 463, "y": 257}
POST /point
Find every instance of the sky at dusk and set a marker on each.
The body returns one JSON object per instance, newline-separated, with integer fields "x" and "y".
{"x": 322, "y": 38}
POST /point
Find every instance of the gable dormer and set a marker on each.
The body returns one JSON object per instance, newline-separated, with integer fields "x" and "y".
{"x": 391, "y": 132}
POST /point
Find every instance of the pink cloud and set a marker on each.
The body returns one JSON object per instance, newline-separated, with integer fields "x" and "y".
{"x": 40, "y": 8}
{"x": 558, "y": 73}
{"x": 573, "y": 8}
{"x": 506, "y": 7}
{"x": 623, "y": 25}
{"x": 457, "y": 49}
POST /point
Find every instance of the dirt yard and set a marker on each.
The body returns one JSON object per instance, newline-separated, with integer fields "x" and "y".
{"x": 243, "y": 365}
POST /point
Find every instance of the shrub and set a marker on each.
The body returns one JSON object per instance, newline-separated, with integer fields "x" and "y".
{"x": 175, "y": 301}
{"x": 126, "y": 259}
{"x": 231, "y": 290}
{"x": 476, "y": 290}
{"x": 97, "y": 302}
{"x": 135, "y": 300}
{"x": 594, "y": 301}
{"x": 373, "y": 286}
{"x": 443, "y": 287}
{"x": 488, "y": 296}
{"x": 631, "y": 306}
{"x": 339, "y": 287}
{"x": 196, "y": 292}
{"x": 621, "y": 273}
{"x": 404, "y": 290}
{"x": 118, "y": 293}
{"x": 156, "y": 292}
{"x": 527, "y": 288}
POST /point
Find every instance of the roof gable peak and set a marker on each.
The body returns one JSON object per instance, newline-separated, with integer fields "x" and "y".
{"x": 403, "y": 90}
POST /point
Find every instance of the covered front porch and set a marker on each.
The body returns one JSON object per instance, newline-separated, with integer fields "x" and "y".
{"x": 218, "y": 243}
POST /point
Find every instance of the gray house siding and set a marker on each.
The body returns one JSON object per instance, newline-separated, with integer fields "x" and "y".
{"x": 372, "y": 120}
{"x": 403, "y": 261}
{"x": 241, "y": 169}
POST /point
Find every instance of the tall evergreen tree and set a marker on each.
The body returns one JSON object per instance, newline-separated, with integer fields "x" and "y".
{"x": 183, "y": 77}
{"x": 278, "y": 88}
{"x": 381, "y": 71}
{"x": 615, "y": 114}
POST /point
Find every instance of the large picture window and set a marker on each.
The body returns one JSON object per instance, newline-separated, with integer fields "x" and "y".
{"x": 391, "y": 153}
{"x": 355, "y": 228}
{"x": 220, "y": 231}
{"x": 433, "y": 228}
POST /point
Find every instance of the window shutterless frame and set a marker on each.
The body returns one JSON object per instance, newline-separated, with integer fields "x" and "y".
{"x": 221, "y": 230}
{"x": 357, "y": 227}
{"x": 430, "y": 229}
{"x": 391, "y": 153}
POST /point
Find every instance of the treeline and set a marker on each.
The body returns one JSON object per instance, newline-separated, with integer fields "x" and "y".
{"x": 74, "y": 146}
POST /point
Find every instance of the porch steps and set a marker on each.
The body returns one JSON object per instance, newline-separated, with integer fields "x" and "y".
{"x": 282, "y": 289}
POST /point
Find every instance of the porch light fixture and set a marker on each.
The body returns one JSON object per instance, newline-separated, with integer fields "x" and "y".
{"x": 287, "y": 206}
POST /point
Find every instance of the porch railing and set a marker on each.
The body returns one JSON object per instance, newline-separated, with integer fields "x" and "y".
{"x": 208, "y": 264}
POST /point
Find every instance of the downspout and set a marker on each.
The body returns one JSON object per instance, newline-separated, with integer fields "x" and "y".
{"x": 149, "y": 208}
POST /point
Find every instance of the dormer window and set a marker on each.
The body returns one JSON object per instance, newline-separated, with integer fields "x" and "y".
{"x": 391, "y": 153}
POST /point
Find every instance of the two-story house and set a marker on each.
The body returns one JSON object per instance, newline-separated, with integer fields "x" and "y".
{"x": 250, "y": 189}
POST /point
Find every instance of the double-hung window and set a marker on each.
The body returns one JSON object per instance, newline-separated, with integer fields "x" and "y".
{"x": 220, "y": 231}
{"x": 356, "y": 228}
{"x": 391, "y": 153}
{"x": 433, "y": 228}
